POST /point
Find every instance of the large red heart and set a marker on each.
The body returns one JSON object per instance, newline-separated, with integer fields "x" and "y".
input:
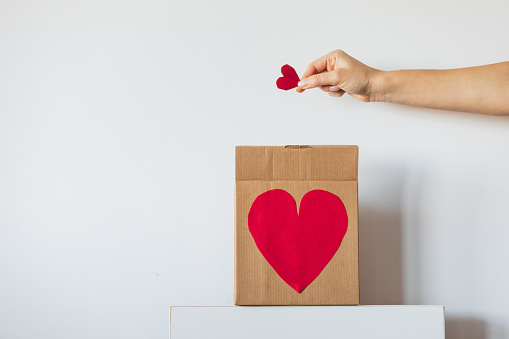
{"x": 289, "y": 80}
{"x": 298, "y": 246}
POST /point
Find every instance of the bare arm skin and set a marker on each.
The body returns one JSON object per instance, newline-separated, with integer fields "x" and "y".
{"x": 481, "y": 89}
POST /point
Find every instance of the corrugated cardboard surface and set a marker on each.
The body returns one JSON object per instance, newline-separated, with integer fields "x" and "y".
{"x": 297, "y": 170}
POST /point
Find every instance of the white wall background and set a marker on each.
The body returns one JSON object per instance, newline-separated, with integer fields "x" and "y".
{"x": 118, "y": 121}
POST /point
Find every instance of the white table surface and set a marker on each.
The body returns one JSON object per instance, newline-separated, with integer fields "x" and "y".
{"x": 295, "y": 322}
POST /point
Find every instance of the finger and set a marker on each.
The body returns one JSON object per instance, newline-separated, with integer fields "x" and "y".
{"x": 321, "y": 79}
{"x": 317, "y": 66}
{"x": 325, "y": 88}
{"x": 337, "y": 94}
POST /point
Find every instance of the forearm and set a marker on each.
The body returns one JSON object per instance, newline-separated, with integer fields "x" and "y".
{"x": 482, "y": 89}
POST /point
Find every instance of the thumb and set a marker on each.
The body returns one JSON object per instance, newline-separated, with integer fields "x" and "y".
{"x": 321, "y": 79}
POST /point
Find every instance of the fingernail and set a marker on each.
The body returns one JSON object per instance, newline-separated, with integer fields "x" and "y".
{"x": 334, "y": 88}
{"x": 303, "y": 83}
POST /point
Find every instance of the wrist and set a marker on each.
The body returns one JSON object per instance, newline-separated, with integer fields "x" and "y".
{"x": 379, "y": 82}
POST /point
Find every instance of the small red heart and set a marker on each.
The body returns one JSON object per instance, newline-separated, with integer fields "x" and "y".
{"x": 289, "y": 80}
{"x": 298, "y": 246}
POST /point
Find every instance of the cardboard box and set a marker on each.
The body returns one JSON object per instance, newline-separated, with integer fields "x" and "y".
{"x": 296, "y": 218}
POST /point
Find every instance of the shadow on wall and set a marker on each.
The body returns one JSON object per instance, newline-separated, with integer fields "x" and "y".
{"x": 389, "y": 248}
{"x": 380, "y": 238}
{"x": 380, "y": 257}
{"x": 465, "y": 328}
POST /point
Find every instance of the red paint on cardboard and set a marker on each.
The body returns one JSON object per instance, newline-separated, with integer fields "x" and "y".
{"x": 298, "y": 245}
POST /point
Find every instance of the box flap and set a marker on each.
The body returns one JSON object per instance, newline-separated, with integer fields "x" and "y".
{"x": 298, "y": 163}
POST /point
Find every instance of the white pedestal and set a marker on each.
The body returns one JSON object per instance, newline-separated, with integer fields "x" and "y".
{"x": 307, "y": 322}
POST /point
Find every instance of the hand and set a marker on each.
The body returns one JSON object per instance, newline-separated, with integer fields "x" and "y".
{"x": 338, "y": 73}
